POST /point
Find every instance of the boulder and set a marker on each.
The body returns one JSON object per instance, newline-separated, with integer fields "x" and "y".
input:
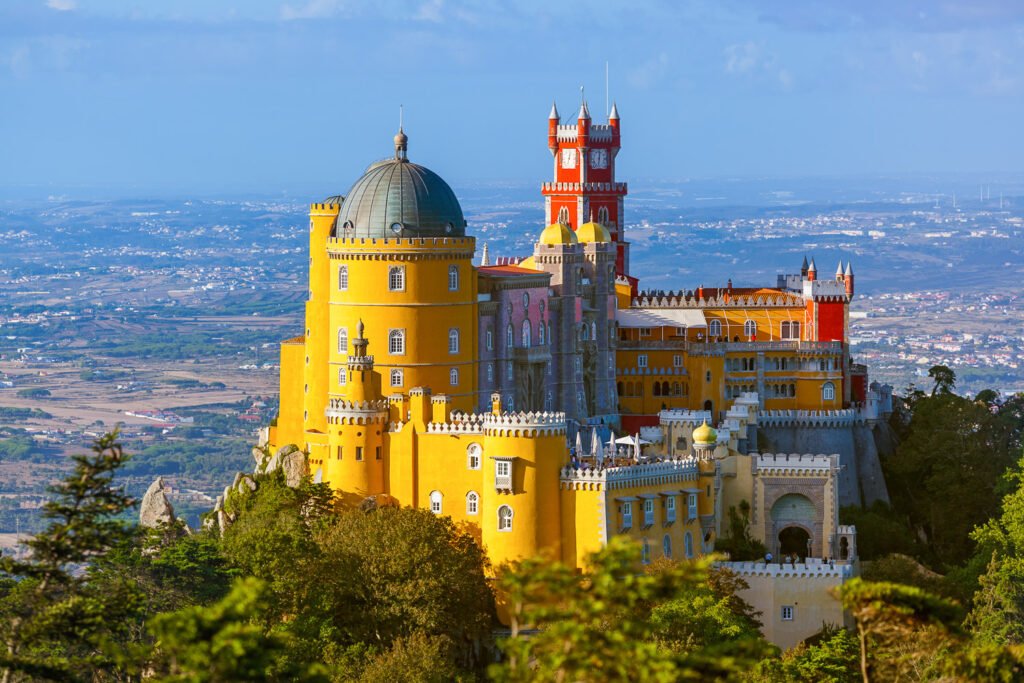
{"x": 294, "y": 467}
{"x": 156, "y": 509}
{"x": 246, "y": 484}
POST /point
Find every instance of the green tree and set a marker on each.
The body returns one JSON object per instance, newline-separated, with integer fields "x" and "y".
{"x": 53, "y": 623}
{"x": 224, "y": 643}
{"x": 945, "y": 379}
{"x": 833, "y": 656}
{"x": 738, "y": 544}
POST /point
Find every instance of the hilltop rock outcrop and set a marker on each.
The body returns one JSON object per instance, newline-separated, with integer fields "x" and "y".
{"x": 156, "y": 509}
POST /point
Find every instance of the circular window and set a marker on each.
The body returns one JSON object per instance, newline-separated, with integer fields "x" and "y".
{"x": 449, "y": 227}
{"x": 347, "y": 227}
{"x": 396, "y": 227}
{"x": 526, "y": 300}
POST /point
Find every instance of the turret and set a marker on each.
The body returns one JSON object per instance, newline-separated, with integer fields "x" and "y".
{"x": 803, "y": 268}
{"x": 812, "y": 271}
{"x": 553, "y": 120}
{"x": 613, "y": 121}
{"x": 583, "y": 126}
{"x": 839, "y": 271}
{"x": 848, "y": 279}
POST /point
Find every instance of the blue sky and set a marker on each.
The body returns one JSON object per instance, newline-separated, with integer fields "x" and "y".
{"x": 273, "y": 95}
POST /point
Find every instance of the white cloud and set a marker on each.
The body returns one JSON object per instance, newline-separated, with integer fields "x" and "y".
{"x": 742, "y": 57}
{"x": 650, "y": 72}
{"x": 430, "y": 11}
{"x": 314, "y": 9}
{"x": 62, "y": 5}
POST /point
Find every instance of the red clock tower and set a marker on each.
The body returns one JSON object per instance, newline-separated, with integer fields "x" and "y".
{"x": 584, "y": 187}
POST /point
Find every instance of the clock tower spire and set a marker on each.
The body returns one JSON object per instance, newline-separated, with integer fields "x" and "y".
{"x": 584, "y": 182}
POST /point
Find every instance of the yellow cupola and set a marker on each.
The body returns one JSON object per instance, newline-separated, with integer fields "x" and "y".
{"x": 704, "y": 435}
{"x": 558, "y": 233}
{"x": 593, "y": 232}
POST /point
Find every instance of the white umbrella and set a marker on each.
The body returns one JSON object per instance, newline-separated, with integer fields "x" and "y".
{"x": 595, "y": 443}
{"x": 579, "y": 445}
{"x": 636, "y": 447}
{"x": 632, "y": 440}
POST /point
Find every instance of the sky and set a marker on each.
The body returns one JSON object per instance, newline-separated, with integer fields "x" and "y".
{"x": 300, "y": 95}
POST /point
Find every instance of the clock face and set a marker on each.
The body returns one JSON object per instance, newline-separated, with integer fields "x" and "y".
{"x": 568, "y": 158}
{"x": 599, "y": 158}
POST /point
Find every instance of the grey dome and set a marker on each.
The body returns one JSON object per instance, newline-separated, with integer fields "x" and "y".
{"x": 395, "y": 193}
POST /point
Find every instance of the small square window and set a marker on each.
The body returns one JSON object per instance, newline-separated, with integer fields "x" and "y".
{"x": 641, "y": 360}
{"x": 787, "y": 613}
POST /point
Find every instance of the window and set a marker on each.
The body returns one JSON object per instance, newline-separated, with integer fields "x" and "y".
{"x": 602, "y": 215}
{"x": 526, "y": 334}
{"x": 645, "y": 553}
{"x": 453, "y": 278}
{"x": 510, "y": 336}
{"x": 396, "y": 342}
{"x": 435, "y": 502}
{"x": 503, "y": 475}
{"x": 453, "y": 340}
{"x": 750, "y": 328}
{"x": 526, "y": 300}
{"x": 540, "y": 334}
{"x": 342, "y": 340}
{"x": 540, "y": 306}
{"x": 670, "y": 509}
{"x": 563, "y": 213}
{"x": 549, "y": 332}
{"x": 666, "y": 546}
{"x": 715, "y": 328}
{"x": 648, "y": 512}
{"x": 791, "y": 330}
{"x": 359, "y": 453}
{"x": 342, "y": 376}
{"x": 641, "y": 360}
{"x": 343, "y": 278}
{"x": 490, "y": 372}
{"x": 677, "y": 361}
{"x": 509, "y": 371}
{"x": 627, "y": 515}
{"x": 787, "y": 613}
{"x": 489, "y": 337}
{"x": 645, "y": 332}
{"x": 828, "y": 391}
{"x": 396, "y": 278}
{"x": 472, "y": 503}
{"x": 397, "y": 378}
{"x": 376, "y": 453}
{"x": 688, "y": 544}
{"x": 505, "y": 518}
{"x": 691, "y": 505}
{"x": 593, "y": 331}
{"x": 453, "y": 377}
{"x": 473, "y": 456}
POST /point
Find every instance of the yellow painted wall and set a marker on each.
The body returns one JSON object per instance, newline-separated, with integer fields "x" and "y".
{"x": 289, "y": 416}
{"x": 321, "y": 220}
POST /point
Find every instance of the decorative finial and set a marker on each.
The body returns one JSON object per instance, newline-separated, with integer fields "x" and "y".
{"x": 359, "y": 329}
{"x": 401, "y": 139}
{"x": 485, "y": 258}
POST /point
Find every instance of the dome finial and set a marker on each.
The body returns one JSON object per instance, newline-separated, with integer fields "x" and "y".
{"x": 401, "y": 139}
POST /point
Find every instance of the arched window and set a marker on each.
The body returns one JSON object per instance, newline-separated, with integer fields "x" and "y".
{"x": 489, "y": 337}
{"x": 472, "y": 503}
{"x": 343, "y": 278}
{"x": 505, "y": 518}
{"x": 540, "y": 334}
{"x": 715, "y": 328}
{"x": 602, "y": 215}
{"x": 666, "y": 546}
{"x": 584, "y": 332}
{"x": 750, "y": 328}
{"x": 664, "y": 388}
{"x": 828, "y": 391}
{"x": 453, "y": 377}
{"x": 510, "y": 337}
{"x": 453, "y": 340}
{"x": 563, "y": 215}
{"x": 473, "y": 452}
{"x": 792, "y": 390}
{"x": 526, "y": 334}
{"x": 435, "y": 502}
{"x": 688, "y": 545}
{"x": 342, "y": 376}
{"x": 397, "y": 378}
{"x": 645, "y": 552}
{"x": 490, "y": 372}
{"x": 794, "y": 330}
{"x": 396, "y": 342}
{"x": 593, "y": 331}
{"x": 453, "y": 278}
{"x": 342, "y": 340}
{"x": 548, "y": 325}
{"x": 396, "y": 278}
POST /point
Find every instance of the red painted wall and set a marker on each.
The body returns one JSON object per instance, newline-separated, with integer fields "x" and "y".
{"x": 831, "y": 321}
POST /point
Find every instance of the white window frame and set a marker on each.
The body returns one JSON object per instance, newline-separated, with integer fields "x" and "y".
{"x": 453, "y": 278}
{"x": 648, "y": 512}
{"x": 397, "y": 377}
{"x": 670, "y": 509}
{"x": 641, "y": 360}
{"x": 343, "y": 278}
{"x": 627, "y": 514}
{"x": 453, "y": 340}
{"x": 396, "y": 279}
{"x": 677, "y": 360}
{"x": 342, "y": 376}
{"x": 691, "y": 506}
{"x": 749, "y": 328}
{"x": 527, "y": 334}
{"x": 489, "y": 337}
{"x": 828, "y": 391}
{"x": 453, "y": 377}
{"x": 343, "y": 341}
{"x": 715, "y": 328}
{"x": 787, "y": 612}
{"x": 396, "y": 342}
{"x": 502, "y": 475}
{"x": 436, "y": 502}
{"x": 666, "y": 546}
{"x": 510, "y": 336}
{"x": 474, "y": 456}
{"x": 472, "y": 503}
{"x": 505, "y": 520}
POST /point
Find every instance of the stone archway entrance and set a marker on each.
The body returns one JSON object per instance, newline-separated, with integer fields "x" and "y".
{"x": 794, "y": 540}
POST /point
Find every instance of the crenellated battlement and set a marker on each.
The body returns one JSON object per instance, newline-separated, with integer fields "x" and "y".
{"x": 340, "y": 411}
{"x": 455, "y": 428}
{"x": 640, "y": 474}
{"x": 691, "y": 300}
{"x": 794, "y": 464}
{"x": 548, "y": 188}
{"x": 811, "y": 418}
{"x": 808, "y": 570}
{"x": 525, "y": 424}
{"x": 687, "y": 417}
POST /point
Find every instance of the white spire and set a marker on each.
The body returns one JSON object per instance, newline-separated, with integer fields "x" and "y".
{"x": 839, "y": 268}
{"x": 614, "y": 116}
{"x": 584, "y": 112}
{"x": 554, "y": 112}
{"x": 485, "y": 257}
{"x": 812, "y": 266}
{"x": 849, "y": 268}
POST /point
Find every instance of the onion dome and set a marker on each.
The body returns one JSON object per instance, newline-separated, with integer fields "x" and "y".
{"x": 558, "y": 233}
{"x": 593, "y": 232}
{"x": 704, "y": 435}
{"x": 397, "y": 198}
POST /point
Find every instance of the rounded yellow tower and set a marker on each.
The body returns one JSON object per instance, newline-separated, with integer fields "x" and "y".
{"x": 524, "y": 454}
{"x": 356, "y": 459}
{"x": 400, "y": 260}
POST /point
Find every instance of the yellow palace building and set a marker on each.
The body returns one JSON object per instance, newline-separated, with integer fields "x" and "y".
{"x": 493, "y": 393}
